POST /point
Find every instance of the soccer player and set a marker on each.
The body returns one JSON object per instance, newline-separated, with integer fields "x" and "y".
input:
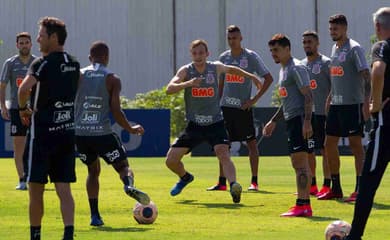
{"x": 378, "y": 154}
{"x": 199, "y": 79}
{"x": 348, "y": 110}
{"x": 14, "y": 70}
{"x": 52, "y": 83}
{"x": 296, "y": 109}
{"x": 237, "y": 102}
{"x": 318, "y": 68}
{"x": 98, "y": 95}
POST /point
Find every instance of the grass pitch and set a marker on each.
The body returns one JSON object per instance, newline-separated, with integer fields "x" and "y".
{"x": 194, "y": 214}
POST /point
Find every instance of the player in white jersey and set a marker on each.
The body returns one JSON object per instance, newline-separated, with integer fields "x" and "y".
{"x": 318, "y": 68}
{"x": 348, "y": 109}
{"x": 237, "y": 102}
{"x": 199, "y": 80}
{"x": 14, "y": 70}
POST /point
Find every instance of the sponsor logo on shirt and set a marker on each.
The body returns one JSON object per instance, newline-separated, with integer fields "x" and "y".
{"x": 60, "y": 104}
{"x": 61, "y": 116}
{"x": 233, "y": 101}
{"x": 65, "y": 68}
{"x": 202, "y": 92}
{"x": 231, "y": 78}
{"x": 313, "y": 84}
{"x": 283, "y": 92}
{"x": 88, "y": 105}
{"x": 203, "y": 119}
{"x": 336, "y": 71}
{"x": 91, "y": 74}
{"x": 90, "y": 117}
{"x": 19, "y": 80}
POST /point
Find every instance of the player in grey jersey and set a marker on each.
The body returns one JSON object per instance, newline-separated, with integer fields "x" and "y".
{"x": 14, "y": 70}
{"x": 296, "y": 109}
{"x": 237, "y": 102}
{"x": 98, "y": 96}
{"x": 199, "y": 80}
{"x": 318, "y": 68}
{"x": 349, "y": 98}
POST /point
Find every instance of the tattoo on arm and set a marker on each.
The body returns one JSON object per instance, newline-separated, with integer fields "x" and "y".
{"x": 367, "y": 83}
{"x": 278, "y": 115}
{"x": 308, "y": 105}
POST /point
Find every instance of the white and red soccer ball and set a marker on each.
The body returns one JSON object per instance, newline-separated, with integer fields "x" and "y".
{"x": 145, "y": 214}
{"x": 337, "y": 230}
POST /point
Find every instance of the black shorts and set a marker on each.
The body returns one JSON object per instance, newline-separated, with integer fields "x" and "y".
{"x": 194, "y": 134}
{"x": 50, "y": 156}
{"x": 318, "y": 125}
{"x": 109, "y": 147}
{"x": 239, "y": 124}
{"x": 345, "y": 120}
{"x": 17, "y": 128}
{"x": 296, "y": 142}
{"x": 378, "y": 151}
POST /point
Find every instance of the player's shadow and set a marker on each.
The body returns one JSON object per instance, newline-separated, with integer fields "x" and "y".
{"x": 125, "y": 229}
{"x": 381, "y": 206}
{"x": 214, "y": 205}
{"x": 258, "y": 192}
{"x": 322, "y": 219}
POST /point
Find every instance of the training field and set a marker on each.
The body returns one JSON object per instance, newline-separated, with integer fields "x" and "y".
{"x": 195, "y": 214}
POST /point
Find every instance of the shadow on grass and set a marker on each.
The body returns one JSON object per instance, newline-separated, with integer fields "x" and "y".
{"x": 215, "y": 205}
{"x": 257, "y": 192}
{"x": 322, "y": 219}
{"x": 126, "y": 229}
{"x": 381, "y": 206}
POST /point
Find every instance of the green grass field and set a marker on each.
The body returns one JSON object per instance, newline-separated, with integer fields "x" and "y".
{"x": 195, "y": 213}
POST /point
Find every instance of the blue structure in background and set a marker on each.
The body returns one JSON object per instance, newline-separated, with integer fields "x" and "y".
{"x": 154, "y": 143}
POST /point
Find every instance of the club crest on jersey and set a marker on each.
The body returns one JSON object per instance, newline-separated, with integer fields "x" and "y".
{"x": 210, "y": 78}
{"x": 342, "y": 56}
{"x": 243, "y": 63}
{"x": 316, "y": 69}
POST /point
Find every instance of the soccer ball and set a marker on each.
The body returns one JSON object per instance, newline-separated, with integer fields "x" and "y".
{"x": 337, "y": 230}
{"x": 145, "y": 214}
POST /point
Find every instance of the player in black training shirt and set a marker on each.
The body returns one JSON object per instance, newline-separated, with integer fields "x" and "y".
{"x": 378, "y": 153}
{"x": 52, "y": 83}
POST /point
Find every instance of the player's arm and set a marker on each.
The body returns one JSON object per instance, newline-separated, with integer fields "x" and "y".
{"x": 177, "y": 83}
{"x": 114, "y": 87}
{"x": 221, "y": 84}
{"x": 377, "y": 80}
{"x": 222, "y": 68}
{"x": 5, "y": 76}
{"x": 367, "y": 93}
{"x": 262, "y": 88}
{"x": 24, "y": 91}
{"x": 269, "y": 128}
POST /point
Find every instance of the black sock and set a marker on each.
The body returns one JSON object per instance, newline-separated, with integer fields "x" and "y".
{"x": 313, "y": 181}
{"x": 186, "y": 177}
{"x": 68, "y": 232}
{"x": 357, "y": 183}
{"x": 327, "y": 182}
{"x": 35, "y": 233}
{"x": 94, "y": 207}
{"x": 21, "y": 179}
{"x": 302, "y": 202}
{"x": 336, "y": 187}
{"x": 231, "y": 184}
{"x": 222, "y": 181}
{"x": 128, "y": 181}
{"x": 254, "y": 179}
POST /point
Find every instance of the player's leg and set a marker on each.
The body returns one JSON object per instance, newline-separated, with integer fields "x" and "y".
{"x": 312, "y": 165}
{"x": 19, "y": 144}
{"x": 326, "y": 172}
{"x": 298, "y": 149}
{"x": 253, "y": 153}
{"x": 375, "y": 165}
{"x": 67, "y": 208}
{"x": 92, "y": 185}
{"x": 354, "y": 122}
{"x": 18, "y": 134}
{"x": 35, "y": 209}
{"x": 333, "y": 132}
